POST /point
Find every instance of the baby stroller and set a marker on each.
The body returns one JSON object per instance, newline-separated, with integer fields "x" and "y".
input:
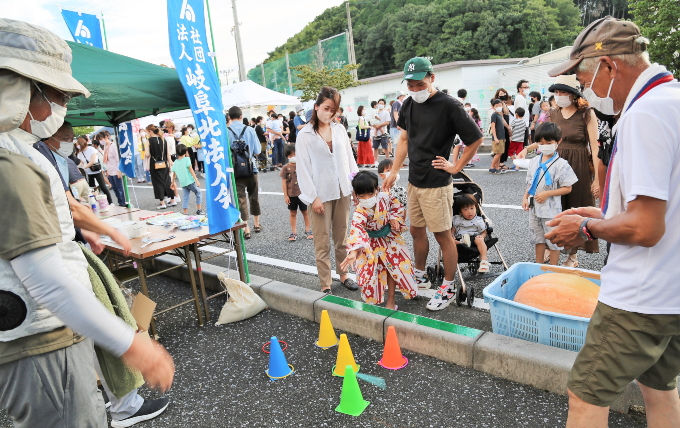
{"x": 468, "y": 255}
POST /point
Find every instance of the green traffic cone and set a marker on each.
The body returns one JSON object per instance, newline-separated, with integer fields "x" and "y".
{"x": 351, "y": 401}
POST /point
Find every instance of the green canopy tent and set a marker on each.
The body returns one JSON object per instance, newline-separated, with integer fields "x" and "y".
{"x": 122, "y": 88}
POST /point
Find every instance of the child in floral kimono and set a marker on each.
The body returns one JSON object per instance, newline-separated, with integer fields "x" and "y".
{"x": 376, "y": 245}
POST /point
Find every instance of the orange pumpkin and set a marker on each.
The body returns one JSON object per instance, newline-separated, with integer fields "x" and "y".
{"x": 559, "y": 292}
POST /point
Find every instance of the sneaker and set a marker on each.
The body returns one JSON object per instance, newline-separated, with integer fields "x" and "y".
{"x": 493, "y": 171}
{"x": 161, "y": 207}
{"x": 292, "y": 237}
{"x": 327, "y": 292}
{"x": 178, "y": 199}
{"x": 309, "y": 234}
{"x": 441, "y": 300}
{"x": 199, "y": 212}
{"x": 166, "y": 200}
{"x": 172, "y": 204}
{"x": 149, "y": 410}
{"x": 423, "y": 283}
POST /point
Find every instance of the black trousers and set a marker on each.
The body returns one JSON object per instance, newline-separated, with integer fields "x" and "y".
{"x": 102, "y": 184}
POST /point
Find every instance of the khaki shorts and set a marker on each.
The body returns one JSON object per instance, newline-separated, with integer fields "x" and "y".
{"x": 431, "y": 208}
{"x": 622, "y": 346}
{"x": 498, "y": 148}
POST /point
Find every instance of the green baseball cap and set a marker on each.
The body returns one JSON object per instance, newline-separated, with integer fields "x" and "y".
{"x": 416, "y": 68}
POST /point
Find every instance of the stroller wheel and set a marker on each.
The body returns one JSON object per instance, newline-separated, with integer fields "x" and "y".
{"x": 430, "y": 271}
{"x": 470, "y": 296}
{"x": 473, "y": 268}
{"x": 459, "y": 296}
{"x": 440, "y": 277}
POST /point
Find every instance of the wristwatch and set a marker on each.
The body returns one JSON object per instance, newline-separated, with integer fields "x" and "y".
{"x": 583, "y": 230}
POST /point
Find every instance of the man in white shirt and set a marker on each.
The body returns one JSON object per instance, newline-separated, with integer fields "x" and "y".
{"x": 380, "y": 132}
{"x": 634, "y": 333}
{"x": 521, "y": 101}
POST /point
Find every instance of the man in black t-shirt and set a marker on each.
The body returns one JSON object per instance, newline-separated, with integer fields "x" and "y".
{"x": 429, "y": 121}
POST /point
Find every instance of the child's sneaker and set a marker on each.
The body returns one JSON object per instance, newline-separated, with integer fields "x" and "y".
{"x": 199, "y": 212}
{"x": 423, "y": 283}
{"x": 292, "y": 237}
{"x": 309, "y": 234}
{"x": 441, "y": 300}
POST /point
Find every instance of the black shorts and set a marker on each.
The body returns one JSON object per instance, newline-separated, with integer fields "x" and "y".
{"x": 380, "y": 141}
{"x": 296, "y": 203}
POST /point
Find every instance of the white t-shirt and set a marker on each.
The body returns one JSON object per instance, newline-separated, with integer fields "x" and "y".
{"x": 520, "y": 101}
{"x": 172, "y": 144}
{"x": 384, "y": 116}
{"x": 638, "y": 279}
{"x": 85, "y": 157}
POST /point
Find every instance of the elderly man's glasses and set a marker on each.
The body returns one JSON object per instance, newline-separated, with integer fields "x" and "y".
{"x": 62, "y": 99}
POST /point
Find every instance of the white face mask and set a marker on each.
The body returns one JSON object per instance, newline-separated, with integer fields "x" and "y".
{"x": 603, "y": 105}
{"x": 291, "y": 159}
{"x": 65, "y": 149}
{"x": 368, "y": 203}
{"x": 562, "y": 101}
{"x": 324, "y": 116}
{"x": 301, "y": 112}
{"x": 468, "y": 108}
{"x": 499, "y": 109}
{"x": 47, "y": 127}
{"x": 420, "y": 96}
{"x": 547, "y": 149}
{"x": 381, "y": 107}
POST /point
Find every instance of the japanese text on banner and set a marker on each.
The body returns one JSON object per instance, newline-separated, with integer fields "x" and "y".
{"x": 127, "y": 149}
{"x": 188, "y": 48}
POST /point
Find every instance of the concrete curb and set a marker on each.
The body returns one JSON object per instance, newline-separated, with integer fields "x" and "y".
{"x": 533, "y": 364}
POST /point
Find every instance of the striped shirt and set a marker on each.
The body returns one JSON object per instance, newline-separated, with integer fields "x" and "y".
{"x": 518, "y": 126}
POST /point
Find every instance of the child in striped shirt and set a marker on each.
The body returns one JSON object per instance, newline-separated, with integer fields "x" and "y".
{"x": 518, "y": 127}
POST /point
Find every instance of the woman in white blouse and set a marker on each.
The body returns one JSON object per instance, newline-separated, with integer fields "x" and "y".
{"x": 324, "y": 162}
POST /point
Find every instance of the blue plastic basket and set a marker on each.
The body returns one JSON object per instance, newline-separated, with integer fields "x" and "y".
{"x": 513, "y": 319}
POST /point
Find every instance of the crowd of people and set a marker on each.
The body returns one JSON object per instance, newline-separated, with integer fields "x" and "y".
{"x": 605, "y": 135}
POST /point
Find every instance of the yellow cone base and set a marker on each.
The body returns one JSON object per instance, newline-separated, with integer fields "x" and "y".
{"x": 326, "y": 347}
{"x": 292, "y": 370}
{"x": 342, "y": 375}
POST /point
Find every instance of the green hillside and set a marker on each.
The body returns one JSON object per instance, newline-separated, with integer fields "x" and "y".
{"x": 389, "y": 32}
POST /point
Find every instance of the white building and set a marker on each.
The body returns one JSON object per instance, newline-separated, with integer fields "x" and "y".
{"x": 481, "y": 78}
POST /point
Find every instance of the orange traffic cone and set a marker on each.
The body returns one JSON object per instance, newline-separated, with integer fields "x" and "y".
{"x": 392, "y": 358}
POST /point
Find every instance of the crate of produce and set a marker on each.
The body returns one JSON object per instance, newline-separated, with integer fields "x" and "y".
{"x": 513, "y": 319}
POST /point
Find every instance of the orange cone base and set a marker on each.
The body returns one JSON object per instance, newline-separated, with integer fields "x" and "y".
{"x": 292, "y": 369}
{"x": 395, "y": 368}
{"x": 326, "y": 347}
{"x": 356, "y": 412}
{"x": 339, "y": 375}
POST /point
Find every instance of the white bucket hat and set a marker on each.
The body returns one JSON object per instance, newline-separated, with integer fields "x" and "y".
{"x": 29, "y": 52}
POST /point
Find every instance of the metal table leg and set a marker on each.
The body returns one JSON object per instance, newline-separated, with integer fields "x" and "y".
{"x": 201, "y": 284}
{"x": 142, "y": 282}
{"x": 193, "y": 285}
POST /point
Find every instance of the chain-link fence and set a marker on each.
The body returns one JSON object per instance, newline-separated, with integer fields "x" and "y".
{"x": 331, "y": 53}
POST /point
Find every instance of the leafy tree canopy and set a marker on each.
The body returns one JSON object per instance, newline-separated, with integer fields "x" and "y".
{"x": 658, "y": 21}
{"x": 314, "y": 78}
{"x": 389, "y": 32}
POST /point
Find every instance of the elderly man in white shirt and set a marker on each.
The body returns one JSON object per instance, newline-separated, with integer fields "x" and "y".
{"x": 324, "y": 164}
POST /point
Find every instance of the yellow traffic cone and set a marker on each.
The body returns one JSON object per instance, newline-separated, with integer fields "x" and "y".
{"x": 327, "y": 337}
{"x": 345, "y": 358}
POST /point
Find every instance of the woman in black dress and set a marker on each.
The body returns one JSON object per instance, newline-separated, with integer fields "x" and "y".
{"x": 159, "y": 167}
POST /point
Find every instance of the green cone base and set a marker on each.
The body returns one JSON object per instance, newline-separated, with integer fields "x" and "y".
{"x": 356, "y": 412}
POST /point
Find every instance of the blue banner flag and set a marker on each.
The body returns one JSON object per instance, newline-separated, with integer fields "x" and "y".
{"x": 189, "y": 51}
{"x": 84, "y": 28}
{"x": 126, "y": 165}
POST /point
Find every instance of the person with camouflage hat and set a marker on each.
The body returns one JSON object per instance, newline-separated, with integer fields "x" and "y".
{"x": 49, "y": 316}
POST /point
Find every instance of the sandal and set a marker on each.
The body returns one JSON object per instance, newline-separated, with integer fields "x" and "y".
{"x": 292, "y": 237}
{"x": 546, "y": 256}
{"x": 327, "y": 291}
{"x": 484, "y": 266}
{"x": 246, "y": 235}
{"x": 309, "y": 234}
{"x": 572, "y": 261}
{"x": 258, "y": 229}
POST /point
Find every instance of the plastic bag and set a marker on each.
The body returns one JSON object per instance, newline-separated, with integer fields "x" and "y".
{"x": 242, "y": 303}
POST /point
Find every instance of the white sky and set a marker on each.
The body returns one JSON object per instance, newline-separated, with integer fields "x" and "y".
{"x": 139, "y": 28}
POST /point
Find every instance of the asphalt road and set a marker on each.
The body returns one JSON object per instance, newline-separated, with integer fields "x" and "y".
{"x": 510, "y": 224}
{"x": 220, "y": 380}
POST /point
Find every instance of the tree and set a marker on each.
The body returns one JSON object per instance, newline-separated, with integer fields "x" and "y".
{"x": 80, "y": 130}
{"x": 314, "y": 78}
{"x": 658, "y": 21}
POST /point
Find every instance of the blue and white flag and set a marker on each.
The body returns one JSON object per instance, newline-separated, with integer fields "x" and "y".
{"x": 84, "y": 28}
{"x": 126, "y": 165}
{"x": 189, "y": 51}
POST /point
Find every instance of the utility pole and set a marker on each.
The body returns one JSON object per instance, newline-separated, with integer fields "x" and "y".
{"x": 290, "y": 81}
{"x": 239, "y": 49}
{"x": 352, "y": 58}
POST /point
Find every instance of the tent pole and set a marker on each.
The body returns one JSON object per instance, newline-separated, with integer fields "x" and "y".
{"x": 212, "y": 38}
{"x": 104, "y": 26}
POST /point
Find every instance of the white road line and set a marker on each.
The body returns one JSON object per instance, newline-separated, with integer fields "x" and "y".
{"x": 514, "y": 207}
{"x": 299, "y": 267}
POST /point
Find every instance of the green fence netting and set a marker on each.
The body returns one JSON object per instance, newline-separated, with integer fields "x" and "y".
{"x": 332, "y": 54}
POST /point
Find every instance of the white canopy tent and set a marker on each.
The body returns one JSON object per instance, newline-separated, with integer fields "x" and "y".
{"x": 249, "y": 93}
